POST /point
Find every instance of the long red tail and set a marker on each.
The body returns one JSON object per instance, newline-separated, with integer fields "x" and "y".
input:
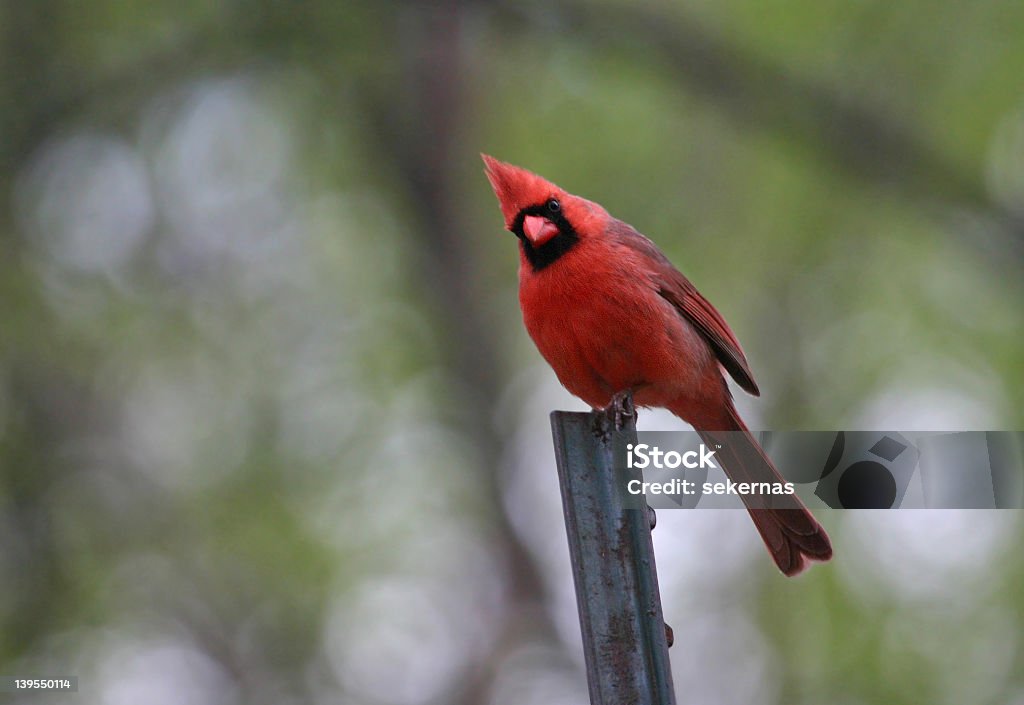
{"x": 791, "y": 533}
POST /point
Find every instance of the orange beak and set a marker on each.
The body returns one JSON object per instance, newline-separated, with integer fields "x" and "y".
{"x": 538, "y": 229}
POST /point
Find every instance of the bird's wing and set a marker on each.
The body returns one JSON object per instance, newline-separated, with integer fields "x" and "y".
{"x": 678, "y": 291}
{"x": 693, "y": 307}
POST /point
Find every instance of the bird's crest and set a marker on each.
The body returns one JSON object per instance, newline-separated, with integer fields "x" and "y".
{"x": 517, "y": 188}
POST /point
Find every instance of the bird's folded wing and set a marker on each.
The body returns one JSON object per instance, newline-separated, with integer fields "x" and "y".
{"x": 679, "y": 292}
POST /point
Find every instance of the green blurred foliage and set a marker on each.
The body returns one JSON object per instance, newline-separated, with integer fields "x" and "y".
{"x": 271, "y": 430}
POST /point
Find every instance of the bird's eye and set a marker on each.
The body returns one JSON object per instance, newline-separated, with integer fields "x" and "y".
{"x": 553, "y": 205}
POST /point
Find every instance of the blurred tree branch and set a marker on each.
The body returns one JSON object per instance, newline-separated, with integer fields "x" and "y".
{"x": 865, "y": 144}
{"x": 859, "y": 141}
{"x": 50, "y": 403}
{"x": 418, "y": 133}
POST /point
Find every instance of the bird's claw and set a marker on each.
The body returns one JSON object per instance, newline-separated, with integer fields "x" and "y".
{"x": 621, "y": 408}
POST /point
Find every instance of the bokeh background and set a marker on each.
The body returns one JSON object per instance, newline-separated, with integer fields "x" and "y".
{"x": 271, "y": 430}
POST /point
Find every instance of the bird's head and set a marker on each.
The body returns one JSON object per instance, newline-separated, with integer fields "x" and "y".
{"x": 547, "y": 220}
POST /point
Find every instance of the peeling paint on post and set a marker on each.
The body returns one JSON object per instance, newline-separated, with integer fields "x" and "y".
{"x": 612, "y": 563}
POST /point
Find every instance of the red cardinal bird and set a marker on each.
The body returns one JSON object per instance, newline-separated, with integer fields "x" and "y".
{"x": 613, "y": 317}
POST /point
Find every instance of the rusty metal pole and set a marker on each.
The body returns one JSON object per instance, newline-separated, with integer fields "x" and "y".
{"x": 624, "y": 639}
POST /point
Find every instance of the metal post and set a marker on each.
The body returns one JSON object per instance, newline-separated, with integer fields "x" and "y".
{"x": 612, "y": 563}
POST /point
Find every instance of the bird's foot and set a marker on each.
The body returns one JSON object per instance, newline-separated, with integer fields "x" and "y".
{"x": 613, "y": 417}
{"x": 621, "y": 408}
